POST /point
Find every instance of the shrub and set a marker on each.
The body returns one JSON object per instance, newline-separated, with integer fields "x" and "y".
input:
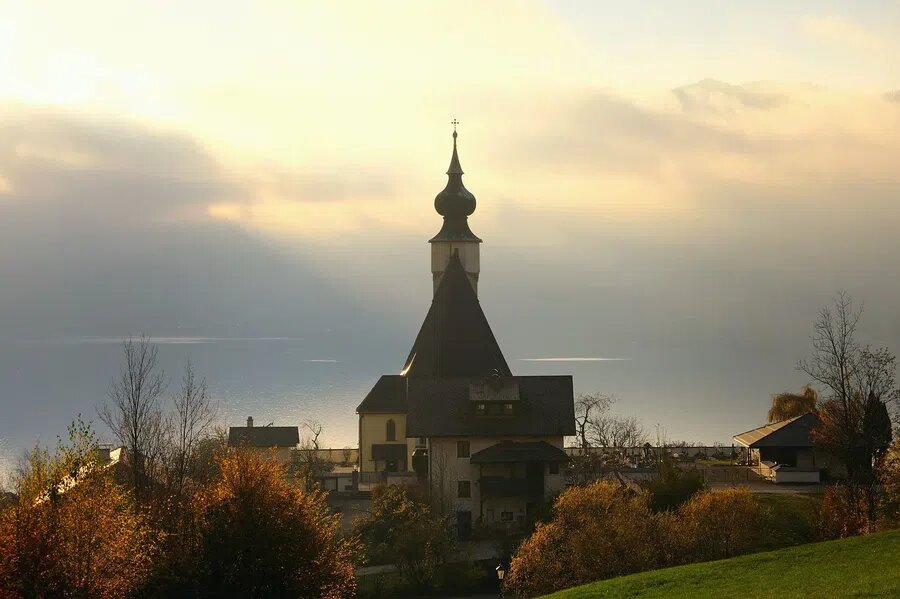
{"x": 674, "y": 486}
{"x": 722, "y": 523}
{"x": 844, "y": 512}
{"x": 601, "y": 530}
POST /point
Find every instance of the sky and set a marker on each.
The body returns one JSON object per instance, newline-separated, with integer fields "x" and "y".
{"x": 678, "y": 185}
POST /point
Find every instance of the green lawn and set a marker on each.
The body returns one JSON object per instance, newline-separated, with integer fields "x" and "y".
{"x": 858, "y": 567}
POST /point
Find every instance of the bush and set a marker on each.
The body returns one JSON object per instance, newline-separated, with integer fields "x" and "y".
{"x": 674, "y": 486}
{"x": 722, "y": 523}
{"x": 601, "y": 530}
{"x": 844, "y": 512}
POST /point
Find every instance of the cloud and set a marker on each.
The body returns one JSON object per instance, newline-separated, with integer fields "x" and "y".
{"x": 843, "y": 33}
{"x": 711, "y": 94}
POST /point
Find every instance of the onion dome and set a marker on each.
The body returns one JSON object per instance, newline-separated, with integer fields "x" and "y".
{"x": 455, "y": 203}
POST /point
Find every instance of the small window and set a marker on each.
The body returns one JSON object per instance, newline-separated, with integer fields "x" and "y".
{"x": 554, "y": 467}
{"x": 462, "y": 449}
{"x": 507, "y": 409}
{"x": 506, "y": 516}
{"x": 480, "y": 409}
{"x": 463, "y": 489}
{"x": 391, "y": 431}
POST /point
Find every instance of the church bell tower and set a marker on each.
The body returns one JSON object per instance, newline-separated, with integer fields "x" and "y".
{"x": 455, "y": 203}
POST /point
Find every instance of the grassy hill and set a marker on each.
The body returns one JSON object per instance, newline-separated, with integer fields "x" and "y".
{"x": 858, "y": 567}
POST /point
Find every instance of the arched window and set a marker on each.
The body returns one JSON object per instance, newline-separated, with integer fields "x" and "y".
{"x": 391, "y": 433}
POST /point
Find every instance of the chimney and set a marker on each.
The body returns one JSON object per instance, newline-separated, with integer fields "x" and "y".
{"x": 249, "y": 421}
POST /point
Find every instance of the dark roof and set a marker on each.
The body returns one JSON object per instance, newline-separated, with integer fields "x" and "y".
{"x": 264, "y": 436}
{"x": 441, "y": 407}
{"x": 388, "y": 396}
{"x": 793, "y": 432}
{"x": 510, "y": 451}
{"x": 455, "y": 339}
{"x": 389, "y": 451}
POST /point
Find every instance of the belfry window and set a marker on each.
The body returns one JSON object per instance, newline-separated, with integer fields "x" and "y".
{"x": 391, "y": 431}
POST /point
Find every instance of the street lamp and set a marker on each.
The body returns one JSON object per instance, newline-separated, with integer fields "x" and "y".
{"x": 501, "y": 572}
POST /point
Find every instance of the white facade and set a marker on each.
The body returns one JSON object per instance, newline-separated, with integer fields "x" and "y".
{"x": 447, "y": 469}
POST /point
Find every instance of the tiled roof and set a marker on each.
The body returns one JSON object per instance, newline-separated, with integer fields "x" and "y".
{"x": 263, "y": 436}
{"x": 793, "y": 432}
{"x": 510, "y": 451}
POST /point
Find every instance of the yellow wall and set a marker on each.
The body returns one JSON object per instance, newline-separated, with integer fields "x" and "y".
{"x": 373, "y": 430}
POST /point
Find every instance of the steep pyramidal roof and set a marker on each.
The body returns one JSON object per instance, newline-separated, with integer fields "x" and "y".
{"x": 455, "y": 340}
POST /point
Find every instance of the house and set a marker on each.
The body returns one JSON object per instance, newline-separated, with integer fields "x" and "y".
{"x": 280, "y": 439}
{"x": 784, "y": 452}
{"x": 488, "y": 442}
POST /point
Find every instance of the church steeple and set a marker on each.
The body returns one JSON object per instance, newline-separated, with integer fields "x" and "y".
{"x": 455, "y": 203}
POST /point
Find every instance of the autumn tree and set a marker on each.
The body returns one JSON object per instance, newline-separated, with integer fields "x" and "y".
{"x": 787, "y": 405}
{"x": 72, "y": 531}
{"x": 402, "y": 529}
{"x": 264, "y": 537}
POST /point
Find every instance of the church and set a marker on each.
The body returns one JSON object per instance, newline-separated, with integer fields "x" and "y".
{"x": 489, "y": 444}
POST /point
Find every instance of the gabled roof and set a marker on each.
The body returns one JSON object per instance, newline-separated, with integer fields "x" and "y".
{"x": 264, "y": 436}
{"x": 455, "y": 339}
{"x": 388, "y": 396}
{"x": 443, "y": 407}
{"x": 793, "y": 432}
{"x": 517, "y": 452}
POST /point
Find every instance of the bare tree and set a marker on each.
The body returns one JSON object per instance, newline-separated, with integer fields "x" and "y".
{"x": 855, "y": 379}
{"x": 308, "y": 463}
{"x": 133, "y": 411}
{"x": 191, "y": 420}
{"x": 595, "y": 426}
{"x": 587, "y": 408}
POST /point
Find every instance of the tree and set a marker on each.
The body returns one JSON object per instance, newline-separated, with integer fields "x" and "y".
{"x": 401, "y": 529}
{"x": 134, "y": 413}
{"x": 595, "y": 426}
{"x": 190, "y": 422}
{"x": 72, "y": 531}
{"x": 787, "y": 405}
{"x": 263, "y": 537}
{"x": 856, "y": 379}
{"x": 309, "y": 464}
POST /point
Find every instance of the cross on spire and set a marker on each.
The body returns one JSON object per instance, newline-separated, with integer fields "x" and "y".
{"x": 454, "y": 122}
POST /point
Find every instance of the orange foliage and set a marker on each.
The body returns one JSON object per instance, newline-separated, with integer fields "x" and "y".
{"x": 604, "y": 530}
{"x": 597, "y": 531}
{"x": 263, "y": 537}
{"x": 87, "y": 542}
{"x": 722, "y": 523}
